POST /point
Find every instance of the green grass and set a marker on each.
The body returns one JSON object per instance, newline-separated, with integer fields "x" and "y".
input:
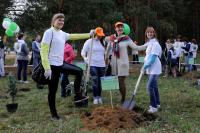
{"x": 180, "y": 105}
{"x": 179, "y": 113}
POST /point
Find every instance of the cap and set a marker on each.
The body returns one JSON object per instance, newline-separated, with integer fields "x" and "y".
{"x": 99, "y": 31}
{"x": 118, "y": 23}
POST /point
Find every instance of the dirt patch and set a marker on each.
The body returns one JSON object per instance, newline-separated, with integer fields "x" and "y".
{"x": 191, "y": 75}
{"x": 107, "y": 119}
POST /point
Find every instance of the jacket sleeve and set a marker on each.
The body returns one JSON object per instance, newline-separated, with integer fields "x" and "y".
{"x": 79, "y": 36}
{"x": 135, "y": 47}
{"x": 24, "y": 49}
{"x": 35, "y": 48}
{"x": 150, "y": 60}
{"x": 44, "y": 56}
{"x": 108, "y": 49}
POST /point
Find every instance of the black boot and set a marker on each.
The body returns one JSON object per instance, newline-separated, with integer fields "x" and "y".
{"x": 80, "y": 100}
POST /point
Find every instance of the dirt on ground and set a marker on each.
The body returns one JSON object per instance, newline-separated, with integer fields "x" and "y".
{"x": 191, "y": 75}
{"x": 107, "y": 119}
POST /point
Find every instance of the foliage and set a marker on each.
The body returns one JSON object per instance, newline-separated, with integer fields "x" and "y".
{"x": 12, "y": 86}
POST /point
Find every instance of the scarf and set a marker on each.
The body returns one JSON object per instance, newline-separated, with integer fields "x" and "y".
{"x": 115, "y": 41}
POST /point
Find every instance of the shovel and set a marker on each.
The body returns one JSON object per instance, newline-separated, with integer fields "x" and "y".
{"x": 130, "y": 104}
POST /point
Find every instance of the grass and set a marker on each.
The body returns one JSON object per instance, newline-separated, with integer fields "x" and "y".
{"x": 179, "y": 100}
{"x": 179, "y": 112}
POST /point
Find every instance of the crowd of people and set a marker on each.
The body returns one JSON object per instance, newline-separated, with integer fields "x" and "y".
{"x": 105, "y": 53}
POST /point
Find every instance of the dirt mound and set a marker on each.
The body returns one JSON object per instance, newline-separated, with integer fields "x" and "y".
{"x": 191, "y": 75}
{"x": 107, "y": 119}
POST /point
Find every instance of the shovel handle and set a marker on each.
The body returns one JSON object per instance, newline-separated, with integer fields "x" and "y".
{"x": 138, "y": 82}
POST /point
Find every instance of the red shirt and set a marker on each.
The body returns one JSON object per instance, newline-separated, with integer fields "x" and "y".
{"x": 69, "y": 54}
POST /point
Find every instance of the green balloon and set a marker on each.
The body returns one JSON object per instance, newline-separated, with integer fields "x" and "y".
{"x": 13, "y": 26}
{"x": 126, "y": 29}
{"x": 7, "y": 19}
{"x": 9, "y": 33}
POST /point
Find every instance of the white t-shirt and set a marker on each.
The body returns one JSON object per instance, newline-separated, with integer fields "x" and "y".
{"x": 98, "y": 52}
{"x": 177, "y": 45}
{"x": 194, "y": 48}
{"x": 153, "y": 47}
{"x": 56, "y": 55}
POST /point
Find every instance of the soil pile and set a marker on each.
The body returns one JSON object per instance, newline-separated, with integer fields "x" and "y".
{"x": 107, "y": 119}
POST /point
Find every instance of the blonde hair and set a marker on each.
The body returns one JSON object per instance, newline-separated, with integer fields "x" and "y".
{"x": 150, "y": 29}
{"x": 56, "y": 16}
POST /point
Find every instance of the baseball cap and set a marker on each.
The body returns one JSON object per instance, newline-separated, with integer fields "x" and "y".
{"x": 118, "y": 23}
{"x": 99, "y": 31}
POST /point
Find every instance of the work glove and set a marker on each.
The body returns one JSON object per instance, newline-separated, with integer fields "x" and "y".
{"x": 92, "y": 32}
{"x": 48, "y": 74}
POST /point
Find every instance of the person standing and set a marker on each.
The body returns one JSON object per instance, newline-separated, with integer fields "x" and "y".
{"x": 52, "y": 55}
{"x": 22, "y": 59}
{"x": 2, "y": 72}
{"x": 135, "y": 55}
{"x": 153, "y": 68}
{"x": 119, "y": 44}
{"x": 36, "y": 51}
{"x": 97, "y": 66}
{"x": 69, "y": 57}
{"x": 194, "y": 46}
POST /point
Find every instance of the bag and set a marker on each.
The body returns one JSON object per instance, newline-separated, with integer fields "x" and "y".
{"x": 38, "y": 75}
{"x": 38, "y": 71}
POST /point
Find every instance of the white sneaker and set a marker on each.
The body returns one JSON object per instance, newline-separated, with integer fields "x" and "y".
{"x": 152, "y": 110}
{"x": 25, "y": 82}
{"x": 95, "y": 101}
{"x": 20, "y": 81}
{"x": 100, "y": 100}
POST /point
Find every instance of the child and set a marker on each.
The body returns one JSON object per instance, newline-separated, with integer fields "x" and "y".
{"x": 152, "y": 65}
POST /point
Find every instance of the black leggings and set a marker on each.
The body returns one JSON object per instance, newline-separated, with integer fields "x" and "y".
{"x": 68, "y": 69}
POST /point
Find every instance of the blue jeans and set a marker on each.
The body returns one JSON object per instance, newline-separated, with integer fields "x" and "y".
{"x": 152, "y": 88}
{"x": 189, "y": 66}
{"x": 96, "y": 73}
{"x": 22, "y": 65}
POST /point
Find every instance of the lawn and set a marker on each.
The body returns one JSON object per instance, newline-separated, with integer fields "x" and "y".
{"x": 179, "y": 112}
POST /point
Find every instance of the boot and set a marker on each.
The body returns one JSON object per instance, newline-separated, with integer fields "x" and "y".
{"x": 80, "y": 100}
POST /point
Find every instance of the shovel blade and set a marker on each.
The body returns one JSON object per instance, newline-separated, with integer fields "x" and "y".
{"x": 129, "y": 104}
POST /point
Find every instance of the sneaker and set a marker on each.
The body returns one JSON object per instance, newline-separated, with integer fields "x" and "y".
{"x": 20, "y": 81}
{"x": 25, "y": 82}
{"x": 95, "y": 101}
{"x": 152, "y": 110}
{"x": 100, "y": 100}
{"x": 158, "y": 106}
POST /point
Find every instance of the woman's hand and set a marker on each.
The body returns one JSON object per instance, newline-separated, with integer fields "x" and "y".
{"x": 48, "y": 74}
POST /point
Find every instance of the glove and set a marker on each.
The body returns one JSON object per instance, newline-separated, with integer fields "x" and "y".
{"x": 48, "y": 74}
{"x": 92, "y": 33}
{"x": 85, "y": 60}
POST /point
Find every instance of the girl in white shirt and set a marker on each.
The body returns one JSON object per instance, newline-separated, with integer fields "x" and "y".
{"x": 97, "y": 66}
{"x": 152, "y": 65}
{"x": 52, "y": 55}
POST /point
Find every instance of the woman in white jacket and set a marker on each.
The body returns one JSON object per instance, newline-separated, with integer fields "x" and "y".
{"x": 97, "y": 66}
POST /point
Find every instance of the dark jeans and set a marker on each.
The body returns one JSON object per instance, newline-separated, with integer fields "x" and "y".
{"x": 96, "y": 73}
{"x": 152, "y": 88}
{"x": 68, "y": 69}
{"x": 135, "y": 58}
{"x": 22, "y": 65}
{"x": 64, "y": 83}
